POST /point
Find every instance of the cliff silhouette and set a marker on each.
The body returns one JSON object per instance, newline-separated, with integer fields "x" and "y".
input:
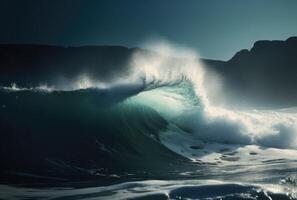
{"x": 265, "y": 75}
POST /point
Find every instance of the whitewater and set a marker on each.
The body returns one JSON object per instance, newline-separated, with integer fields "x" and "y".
{"x": 152, "y": 133}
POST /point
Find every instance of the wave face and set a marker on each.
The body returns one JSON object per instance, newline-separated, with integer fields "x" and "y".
{"x": 155, "y": 123}
{"x": 68, "y": 135}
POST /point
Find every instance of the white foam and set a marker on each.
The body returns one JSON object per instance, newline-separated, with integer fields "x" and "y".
{"x": 15, "y": 88}
{"x": 210, "y": 123}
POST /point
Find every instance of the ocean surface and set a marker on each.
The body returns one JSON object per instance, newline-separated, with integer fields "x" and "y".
{"x": 150, "y": 135}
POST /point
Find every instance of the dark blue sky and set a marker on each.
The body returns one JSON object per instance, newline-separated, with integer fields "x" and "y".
{"x": 215, "y": 28}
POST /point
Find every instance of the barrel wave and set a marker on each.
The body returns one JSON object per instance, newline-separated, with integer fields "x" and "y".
{"x": 154, "y": 123}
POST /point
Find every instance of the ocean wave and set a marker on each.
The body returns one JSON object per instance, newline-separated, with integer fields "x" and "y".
{"x": 150, "y": 119}
{"x": 175, "y": 88}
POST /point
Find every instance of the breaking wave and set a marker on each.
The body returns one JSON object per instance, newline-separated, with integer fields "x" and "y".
{"x": 157, "y": 122}
{"x": 176, "y": 89}
{"x": 151, "y": 119}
